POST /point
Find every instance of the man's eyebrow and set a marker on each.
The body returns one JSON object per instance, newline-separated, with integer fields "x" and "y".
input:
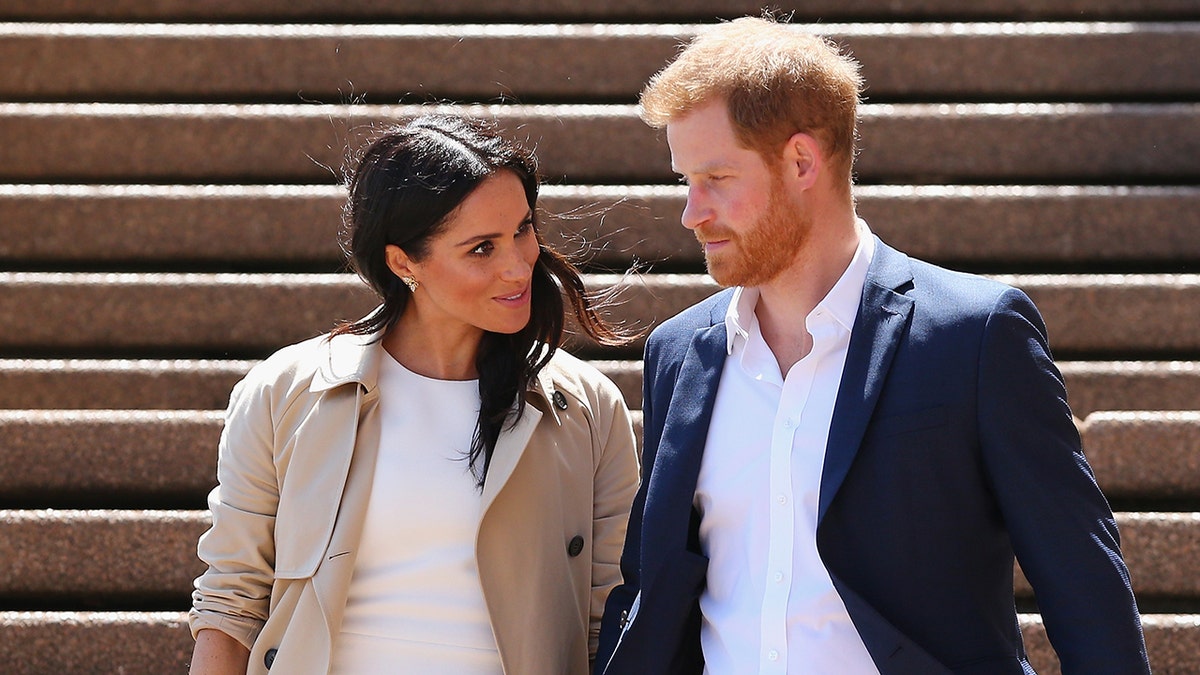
{"x": 710, "y": 167}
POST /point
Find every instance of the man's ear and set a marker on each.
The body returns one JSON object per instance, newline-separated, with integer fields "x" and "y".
{"x": 398, "y": 261}
{"x": 802, "y": 160}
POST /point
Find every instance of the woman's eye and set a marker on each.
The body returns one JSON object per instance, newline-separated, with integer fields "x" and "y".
{"x": 525, "y": 228}
{"x": 483, "y": 248}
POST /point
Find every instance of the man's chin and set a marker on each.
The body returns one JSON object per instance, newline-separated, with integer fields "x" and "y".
{"x": 724, "y": 276}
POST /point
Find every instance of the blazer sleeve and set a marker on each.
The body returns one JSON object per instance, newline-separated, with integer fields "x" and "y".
{"x": 233, "y": 595}
{"x": 616, "y": 480}
{"x": 1062, "y": 528}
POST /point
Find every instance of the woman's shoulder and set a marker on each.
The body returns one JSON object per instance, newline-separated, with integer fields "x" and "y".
{"x": 297, "y": 361}
{"x": 289, "y": 373}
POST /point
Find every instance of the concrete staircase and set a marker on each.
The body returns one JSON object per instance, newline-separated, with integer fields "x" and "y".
{"x": 168, "y": 207}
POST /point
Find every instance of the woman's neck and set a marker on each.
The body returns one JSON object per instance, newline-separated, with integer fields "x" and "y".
{"x": 436, "y": 352}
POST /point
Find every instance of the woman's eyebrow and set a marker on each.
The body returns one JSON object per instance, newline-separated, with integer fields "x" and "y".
{"x": 493, "y": 235}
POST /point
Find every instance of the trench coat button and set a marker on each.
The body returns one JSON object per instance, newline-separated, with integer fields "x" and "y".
{"x": 560, "y": 401}
{"x": 269, "y": 657}
{"x": 575, "y": 547}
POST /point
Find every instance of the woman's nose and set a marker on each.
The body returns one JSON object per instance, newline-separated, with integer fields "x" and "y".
{"x": 516, "y": 265}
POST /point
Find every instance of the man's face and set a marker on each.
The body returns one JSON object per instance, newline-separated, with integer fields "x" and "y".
{"x": 736, "y": 205}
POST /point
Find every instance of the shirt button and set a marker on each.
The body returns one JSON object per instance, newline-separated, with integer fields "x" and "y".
{"x": 772, "y": 655}
{"x": 789, "y": 423}
{"x": 778, "y": 577}
{"x": 782, "y": 499}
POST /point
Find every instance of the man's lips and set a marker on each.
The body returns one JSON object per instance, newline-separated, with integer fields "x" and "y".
{"x": 711, "y": 241}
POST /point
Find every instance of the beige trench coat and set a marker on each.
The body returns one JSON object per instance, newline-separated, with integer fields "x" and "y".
{"x": 295, "y": 469}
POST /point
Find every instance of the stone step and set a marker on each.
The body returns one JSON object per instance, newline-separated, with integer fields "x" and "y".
{"x": 94, "y": 643}
{"x": 296, "y": 224}
{"x": 1162, "y": 551}
{"x": 53, "y": 458}
{"x": 383, "y": 63}
{"x": 910, "y": 143}
{"x": 231, "y": 314}
{"x": 1131, "y": 385}
{"x": 128, "y": 556}
{"x": 151, "y": 643}
{"x": 56, "y": 457}
{"x": 189, "y": 384}
{"x": 564, "y": 10}
{"x": 1131, "y": 450}
{"x": 1172, "y": 642}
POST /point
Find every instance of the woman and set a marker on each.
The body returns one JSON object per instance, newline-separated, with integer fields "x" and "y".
{"x": 436, "y": 488}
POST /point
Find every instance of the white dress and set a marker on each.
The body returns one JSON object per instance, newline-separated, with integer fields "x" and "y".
{"x": 415, "y": 604}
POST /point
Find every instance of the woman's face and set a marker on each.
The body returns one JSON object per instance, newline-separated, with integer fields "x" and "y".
{"x": 477, "y": 273}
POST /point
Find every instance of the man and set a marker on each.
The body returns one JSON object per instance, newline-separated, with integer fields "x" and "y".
{"x": 845, "y": 448}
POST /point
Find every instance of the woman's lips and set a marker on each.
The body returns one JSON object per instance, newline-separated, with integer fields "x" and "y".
{"x": 515, "y": 300}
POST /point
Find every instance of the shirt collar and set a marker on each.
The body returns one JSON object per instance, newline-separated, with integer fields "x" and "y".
{"x": 841, "y": 301}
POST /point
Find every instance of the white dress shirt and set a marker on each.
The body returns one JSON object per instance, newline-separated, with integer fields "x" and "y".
{"x": 769, "y": 605}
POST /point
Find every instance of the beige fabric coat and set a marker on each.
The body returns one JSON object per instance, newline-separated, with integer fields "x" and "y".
{"x": 295, "y": 469}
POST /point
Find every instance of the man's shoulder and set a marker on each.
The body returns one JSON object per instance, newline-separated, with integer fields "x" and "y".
{"x": 955, "y": 292}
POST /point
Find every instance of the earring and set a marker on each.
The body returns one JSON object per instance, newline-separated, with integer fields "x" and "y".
{"x": 411, "y": 283}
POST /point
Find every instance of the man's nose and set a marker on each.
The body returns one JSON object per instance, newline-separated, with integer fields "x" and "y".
{"x": 696, "y": 211}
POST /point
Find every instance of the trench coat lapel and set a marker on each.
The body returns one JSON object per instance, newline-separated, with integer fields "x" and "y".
{"x": 349, "y": 465}
{"x": 510, "y": 446}
{"x": 323, "y": 445}
{"x": 331, "y": 582}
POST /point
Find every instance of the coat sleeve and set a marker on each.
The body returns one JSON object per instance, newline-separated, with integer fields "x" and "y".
{"x": 616, "y": 480}
{"x": 233, "y": 595}
{"x": 1062, "y": 528}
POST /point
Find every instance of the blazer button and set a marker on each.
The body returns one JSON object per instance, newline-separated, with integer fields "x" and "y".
{"x": 269, "y": 657}
{"x": 560, "y": 401}
{"x": 575, "y": 547}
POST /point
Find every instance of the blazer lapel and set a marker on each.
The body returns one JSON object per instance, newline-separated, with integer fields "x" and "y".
{"x": 882, "y": 319}
{"x": 677, "y": 464}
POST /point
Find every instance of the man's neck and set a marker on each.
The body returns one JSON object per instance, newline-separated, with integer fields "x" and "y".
{"x": 785, "y": 302}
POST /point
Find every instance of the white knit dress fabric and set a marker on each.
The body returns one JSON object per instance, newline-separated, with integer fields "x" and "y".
{"x": 415, "y": 603}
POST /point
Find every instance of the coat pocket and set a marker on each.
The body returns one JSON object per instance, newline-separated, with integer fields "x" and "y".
{"x": 895, "y": 424}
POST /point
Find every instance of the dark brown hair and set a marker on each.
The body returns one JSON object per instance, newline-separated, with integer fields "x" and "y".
{"x": 403, "y": 190}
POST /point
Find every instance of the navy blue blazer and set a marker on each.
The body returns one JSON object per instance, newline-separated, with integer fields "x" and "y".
{"x": 951, "y": 448}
